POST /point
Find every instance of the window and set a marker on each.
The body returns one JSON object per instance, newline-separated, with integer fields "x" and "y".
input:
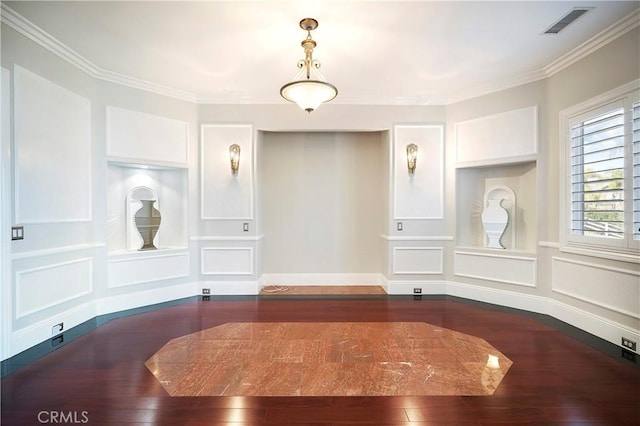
{"x": 601, "y": 188}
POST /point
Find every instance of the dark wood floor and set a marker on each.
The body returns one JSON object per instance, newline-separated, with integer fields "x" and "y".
{"x": 100, "y": 378}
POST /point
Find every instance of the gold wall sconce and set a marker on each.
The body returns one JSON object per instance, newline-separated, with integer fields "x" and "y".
{"x": 234, "y": 156}
{"x": 412, "y": 157}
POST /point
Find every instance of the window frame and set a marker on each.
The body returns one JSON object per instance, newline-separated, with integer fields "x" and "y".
{"x": 626, "y": 249}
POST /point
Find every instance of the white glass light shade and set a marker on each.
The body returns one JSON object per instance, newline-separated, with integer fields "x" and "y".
{"x": 308, "y": 94}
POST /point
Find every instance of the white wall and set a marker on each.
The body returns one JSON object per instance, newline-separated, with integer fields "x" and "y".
{"x": 60, "y": 272}
{"x": 323, "y": 206}
{"x": 595, "y": 294}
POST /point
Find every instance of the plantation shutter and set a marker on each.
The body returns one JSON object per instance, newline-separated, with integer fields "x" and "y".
{"x": 597, "y": 175}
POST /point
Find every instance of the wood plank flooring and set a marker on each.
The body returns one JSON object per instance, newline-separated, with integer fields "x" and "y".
{"x": 278, "y": 290}
{"x": 554, "y": 380}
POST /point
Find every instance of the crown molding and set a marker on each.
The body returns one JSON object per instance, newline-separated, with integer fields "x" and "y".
{"x": 601, "y": 39}
{"x": 16, "y": 21}
{"x": 148, "y": 86}
{"x": 497, "y": 86}
{"x": 34, "y": 33}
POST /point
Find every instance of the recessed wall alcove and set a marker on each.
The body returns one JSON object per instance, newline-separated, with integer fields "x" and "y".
{"x": 473, "y": 183}
{"x": 323, "y": 202}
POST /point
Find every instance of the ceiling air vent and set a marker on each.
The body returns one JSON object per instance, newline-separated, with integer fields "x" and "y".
{"x": 567, "y": 19}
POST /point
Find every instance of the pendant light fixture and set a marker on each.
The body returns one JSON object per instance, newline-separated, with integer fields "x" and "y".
{"x": 308, "y": 89}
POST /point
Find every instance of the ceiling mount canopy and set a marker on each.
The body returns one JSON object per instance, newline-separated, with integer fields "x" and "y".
{"x": 309, "y": 88}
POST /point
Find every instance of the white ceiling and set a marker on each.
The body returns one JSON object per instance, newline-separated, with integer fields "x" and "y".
{"x": 374, "y": 52}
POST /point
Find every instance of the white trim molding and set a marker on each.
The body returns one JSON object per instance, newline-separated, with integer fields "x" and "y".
{"x": 28, "y": 29}
{"x": 58, "y": 274}
{"x": 420, "y": 187}
{"x": 586, "y": 281}
{"x": 237, "y": 190}
{"x": 42, "y": 38}
{"x": 484, "y": 267}
{"x": 601, "y": 39}
{"x": 624, "y": 249}
{"x": 406, "y": 287}
{"x": 29, "y": 336}
{"x": 417, "y": 237}
{"x": 549, "y": 244}
{"x": 232, "y": 288}
{"x": 328, "y": 279}
{"x": 228, "y": 238}
{"x": 56, "y": 250}
{"x": 135, "y": 268}
{"x": 226, "y": 261}
{"x": 414, "y": 263}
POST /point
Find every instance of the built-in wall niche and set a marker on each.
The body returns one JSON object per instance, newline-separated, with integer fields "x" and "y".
{"x": 130, "y": 184}
{"x": 323, "y": 203}
{"x": 476, "y": 184}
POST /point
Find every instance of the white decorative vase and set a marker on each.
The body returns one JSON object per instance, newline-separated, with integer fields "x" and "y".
{"x": 494, "y": 221}
{"x": 147, "y": 221}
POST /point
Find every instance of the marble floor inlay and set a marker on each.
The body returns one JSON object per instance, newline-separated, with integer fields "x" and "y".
{"x": 328, "y": 359}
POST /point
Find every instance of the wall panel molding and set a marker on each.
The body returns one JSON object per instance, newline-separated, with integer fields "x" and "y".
{"x": 55, "y": 250}
{"x": 141, "y": 137}
{"x": 405, "y": 287}
{"x": 226, "y": 261}
{"x": 590, "y": 283}
{"x": 139, "y": 268}
{"x": 506, "y": 269}
{"x": 228, "y": 238}
{"x": 482, "y": 139}
{"x": 53, "y": 151}
{"x": 232, "y": 288}
{"x": 417, "y": 260}
{"x": 50, "y": 285}
{"x": 417, "y": 237}
{"x": 224, "y": 196}
{"x": 421, "y": 195}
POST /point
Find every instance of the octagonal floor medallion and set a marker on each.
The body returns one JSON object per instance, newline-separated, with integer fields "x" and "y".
{"x": 328, "y": 359}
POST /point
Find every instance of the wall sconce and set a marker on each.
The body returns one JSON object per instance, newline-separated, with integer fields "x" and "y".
{"x": 412, "y": 156}
{"x": 234, "y": 156}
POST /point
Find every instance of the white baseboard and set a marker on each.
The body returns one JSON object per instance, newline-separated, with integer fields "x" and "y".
{"x": 132, "y": 300}
{"x": 322, "y": 279}
{"x": 406, "y": 287}
{"x": 40, "y": 331}
{"x": 231, "y": 288}
{"x": 605, "y": 329}
{"x": 598, "y": 326}
{"x": 511, "y": 299}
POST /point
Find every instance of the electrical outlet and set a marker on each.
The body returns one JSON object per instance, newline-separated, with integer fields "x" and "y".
{"x": 417, "y": 290}
{"x": 206, "y": 298}
{"x": 628, "y": 355}
{"x": 57, "y": 341}
{"x": 628, "y": 344}
{"x": 17, "y": 233}
{"x": 57, "y": 329}
{"x": 206, "y": 291}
